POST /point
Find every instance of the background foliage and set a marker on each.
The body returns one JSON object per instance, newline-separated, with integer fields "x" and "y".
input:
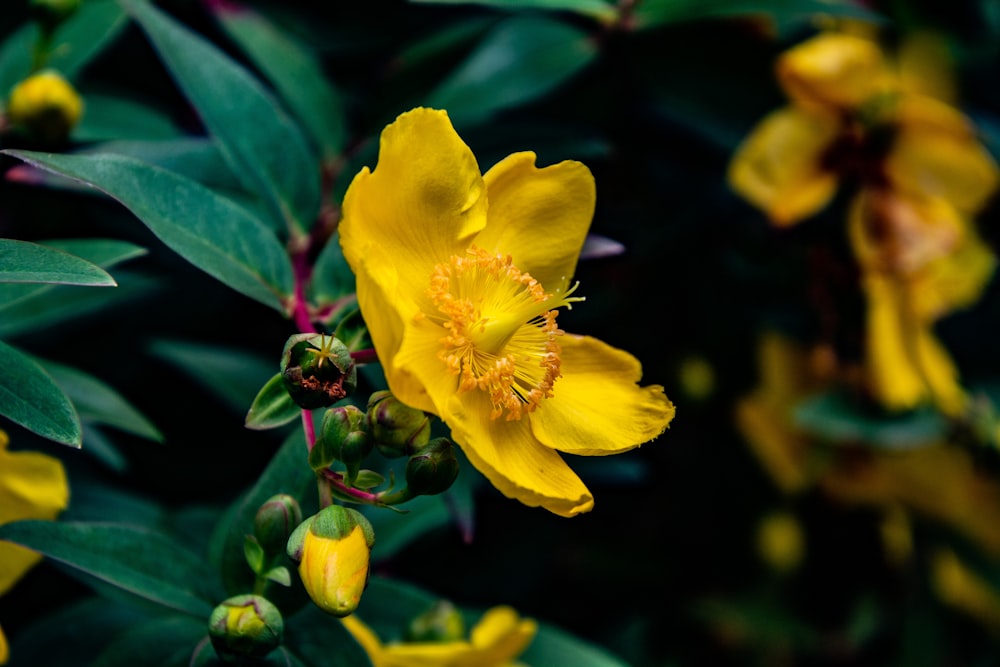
{"x": 654, "y": 96}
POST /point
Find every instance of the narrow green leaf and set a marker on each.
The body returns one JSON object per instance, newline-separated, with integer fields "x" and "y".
{"x": 394, "y": 531}
{"x": 26, "y": 262}
{"x": 120, "y": 117}
{"x": 264, "y": 147}
{"x": 520, "y": 60}
{"x": 253, "y": 553}
{"x": 136, "y": 560}
{"x": 598, "y": 9}
{"x": 279, "y": 575}
{"x": 319, "y": 640}
{"x": 231, "y": 374}
{"x": 553, "y": 646}
{"x": 62, "y": 303}
{"x": 273, "y": 406}
{"x": 98, "y": 445}
{"x": 293, "y": 69}
{"x": 210, "y": 231}
{"x": 29, "y": 397}
{"x": 97, "y": 402}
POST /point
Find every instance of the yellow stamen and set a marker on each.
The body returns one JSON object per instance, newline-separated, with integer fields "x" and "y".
{"x": 500, "y": 328}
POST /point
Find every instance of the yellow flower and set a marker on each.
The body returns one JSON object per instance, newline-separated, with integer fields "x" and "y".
{"x": 45, "y": 103}
{"x": 459, "y": 278}
{"x": 499, "y": 637}
{"x": 958, "y": 586}
{"x": 32, "y": 486}
{"x": 781, "y": 543}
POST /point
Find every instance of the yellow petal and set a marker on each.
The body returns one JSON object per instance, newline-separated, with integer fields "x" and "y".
{"x": 831, "y": 72}
{"x": 937, "y": 154}
{"x": 32, "y": 486}
{"x": 502, "y": 635}
{"x": 778, "y": 168}
{"x": 510, "y": 456}
{"x": 598, "y": 407}
{"x": 924, "y": 63}
{"x": 366, "y": 637}
{"x": 422, "y": 203}
{"x": 539, "y": 216}
{"x": 957, "y": 585}
{"x": 906, "y": 363}
{"x": 4, "y": 650}
{"x": 781, "y": 451}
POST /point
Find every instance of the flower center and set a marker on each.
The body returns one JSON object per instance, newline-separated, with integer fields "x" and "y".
{"x": 502, "y": 336}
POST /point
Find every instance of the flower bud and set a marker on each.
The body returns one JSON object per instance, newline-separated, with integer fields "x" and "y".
{"x": 275, "y": 521}
{"x": 441, "y": 623}
{"x": 245, "y": 626}
{"x": 343, "y": 438}
{"x": 46, "y": 104}
{"x": 333, "y": 548}
{"x": 317, "y": 370}
{"x": 433, "y": 469}
{"x": 397, "y": 429}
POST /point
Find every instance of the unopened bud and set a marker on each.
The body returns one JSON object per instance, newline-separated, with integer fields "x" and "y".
{"x": 433, "y": 469}
{"x": 441, "y": 623}
{"x": 317, "y": 370}
{"x": 46, "y": 104}
{"x": 397, "y": 429}
{"x": 245, "y": 626}
{"x": 333, "y": 548}
{"x": 275, "y": 521}
{"x": 342, "y": 437}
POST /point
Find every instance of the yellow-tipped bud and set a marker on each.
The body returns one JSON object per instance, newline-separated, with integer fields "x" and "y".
{"x": 333, "y": 548}
{"x": 46, "y": 104}
{"x": 245, "y": 626}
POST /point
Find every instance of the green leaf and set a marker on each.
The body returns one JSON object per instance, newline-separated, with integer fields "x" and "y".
{"x": 210, "y": 231}
{"x": 655, "y": 13}
{"x": 102, "y": 252}
{"x": 253, "y": 553}
{"x": 97, "y": 402}
{"x": 29, "y": 397}
{"x": 273, "y": 406}
{"x": 25, "y": 262}
{"x": 120, "y": 117}
{"x": 394, "y": 530}
{"x": 319, "y": 639}
{"x": 264, "y": 147}
{"x": 165, "y": 641}
{"x": 61, "y": 303}
{"x": 834, "y": 417}
{"x": 520, "y": 60}
{"x": 279, "y": 575}
{"x": 231, "y": 374}
{"x": 553, "y": 646}
{"x": 332, "y": 278}
{"x": 293, "y": 69}
{"x": 133, "y": 559}
{"x": 598, "y": 9}
{"x": 98, "y": 445}
{"x": 197, "y": 158}
{"x": 368, "y": 479}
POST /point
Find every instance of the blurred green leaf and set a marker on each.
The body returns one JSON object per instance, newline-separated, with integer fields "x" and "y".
{"x": 332, "y": 278}
{"x": 520, "y": 60}
{"x": 77, "y": 41}
{"x": 97, "y": 444}
{"x": 655, "y": 13}
{"x": 319, "y": 640}
{"x": 60, "y": 303}
{"x": 598, "y": 9}
{"x": 293, "y": 69}
{"x": 167, "y": 641}
{"x": 26, "y": 262}
{"x": 552, "y": 646}
{"x": 137, "y": 560}
{"x": 272, "y": 407}
{"x": 29, "y": 397}
{"x": 231, "y": 374}
{"x": 210, "y": 231}
{"x": 395, "y": 530}
{"x": 116, "y": 116}
{"x": 97, "y": 402}
{"x": 264, "y": 147}
{"x": 836, "y": 418}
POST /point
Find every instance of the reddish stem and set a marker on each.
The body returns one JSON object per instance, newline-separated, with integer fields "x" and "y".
{"x": 368, "y": 356}
{"x": 336, "y": 480}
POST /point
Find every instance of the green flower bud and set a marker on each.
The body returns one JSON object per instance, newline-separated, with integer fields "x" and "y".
{"x": 397, "y": 429}
{"x": 275, "y": 521}
{"x": 433, "y": 469}
{"x": 333, "y": 548}
{"x": 245, "y": 626}
{"x": 441, "y": 623}
{"x": 46, "y": 105}
{"x": 317, "y": 370}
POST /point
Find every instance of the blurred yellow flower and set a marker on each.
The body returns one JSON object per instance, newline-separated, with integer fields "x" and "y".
{"x": 32, "y": 486}
{"x": 45, "y": 103}
{"x": 959, "y": 587}
{"x": 496, "y": 641}
{"x": 460, "y": 278}
{"x": 921, "y": 173}
{"x": 781, "y": 543}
